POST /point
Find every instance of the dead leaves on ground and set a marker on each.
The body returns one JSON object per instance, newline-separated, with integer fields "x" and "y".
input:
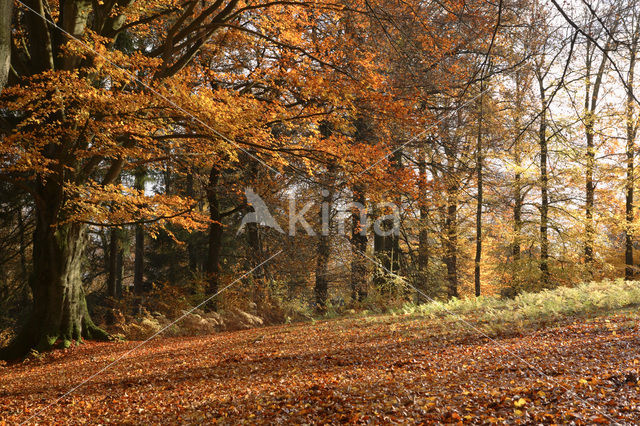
{"x": 386, "y": 369}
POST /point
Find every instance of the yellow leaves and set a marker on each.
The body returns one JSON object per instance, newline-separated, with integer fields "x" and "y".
{"x": 520, "y": 402}
{"x": 120, "y": 205}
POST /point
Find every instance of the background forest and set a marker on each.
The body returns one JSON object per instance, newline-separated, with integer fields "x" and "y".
{"x": 131, "y": 133}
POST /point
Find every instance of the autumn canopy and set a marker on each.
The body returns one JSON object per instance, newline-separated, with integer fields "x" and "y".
{"x": 425, "y": 151}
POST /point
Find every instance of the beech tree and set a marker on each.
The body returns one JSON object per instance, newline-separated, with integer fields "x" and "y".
{"x": 106, "y": 87}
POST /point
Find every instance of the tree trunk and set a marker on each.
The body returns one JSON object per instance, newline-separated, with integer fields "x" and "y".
{"x": 112, "y": 264}
{"x": 544, "y": 189}
{"x": 323, "y": 251}
{"x": 451, "y": 245}
{"x": 479, "y": 161}
{"x": 6, "y": 14}
{"x": 517, "y": 205}
{"x": 590, "y": 103}
{"x": 192, "y": 247}
{"x": 115, "y": 263}
{"x": 451, "y": 217}
{"x": 517, "y": 181}
{"x": 358, "y": 246}
{"x": 423, "y": 234}
{"x": 138, "y": 264}
{"x": 23, "y": 247}
{"x": 589, "y": 198}
{"x": 59, "y": 306}
{"x": 631, "y": 136}
{"x": 215, "y": 237}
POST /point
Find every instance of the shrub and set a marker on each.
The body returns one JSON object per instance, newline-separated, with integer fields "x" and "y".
{"x": 500, "y": 313}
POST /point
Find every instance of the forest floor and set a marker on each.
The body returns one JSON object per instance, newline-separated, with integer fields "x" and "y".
{"x": 376, "y": 369}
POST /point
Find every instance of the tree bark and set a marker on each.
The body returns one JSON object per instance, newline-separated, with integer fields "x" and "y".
{"x": 138, "y": 264}
{"x": 59, "y": 307}
{"x": 451, "y": 218}
{"x": 451, "y": 245}
{"x": 322, "y": 256}
{"x": 630, "y": 151}
{"x": 423, "y": 234}
{"x": 544, "y": 188}
{"x": 359, "y": 242}
{"x": 518, "y": 199}
{"x": 590, "y": 102}
{"x": 479, "y": 165}
{"x": 212, "y": 267}
{"x": 6, "y": 15}
{"x": 518, "y": 196}
{"x": 115, "y": 263}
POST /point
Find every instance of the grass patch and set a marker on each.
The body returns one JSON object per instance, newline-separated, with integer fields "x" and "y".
{"x": 499, "y": 315}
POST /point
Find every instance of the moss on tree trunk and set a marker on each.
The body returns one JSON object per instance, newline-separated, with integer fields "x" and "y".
{"x": 60, "y": 314}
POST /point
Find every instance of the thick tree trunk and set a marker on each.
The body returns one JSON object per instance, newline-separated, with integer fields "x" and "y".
{"x": 59, "y": 308}
{"x": 212, "y": 267}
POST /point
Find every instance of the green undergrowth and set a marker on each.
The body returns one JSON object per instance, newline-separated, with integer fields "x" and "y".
{"x": 496, "y": 315}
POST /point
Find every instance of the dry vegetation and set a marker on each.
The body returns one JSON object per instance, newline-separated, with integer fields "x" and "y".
{"x": 379, "y": 368}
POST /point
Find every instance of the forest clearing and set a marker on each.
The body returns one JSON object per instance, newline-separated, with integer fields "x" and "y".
{"x": 374, "y": 369}
{"x": 319, "y": 211}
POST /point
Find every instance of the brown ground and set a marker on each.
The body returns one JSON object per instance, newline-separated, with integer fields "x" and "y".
{"x": 375, "y": 370}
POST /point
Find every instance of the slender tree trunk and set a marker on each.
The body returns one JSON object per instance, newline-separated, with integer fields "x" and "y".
{"x": 479, "y": 165}
{"x": 115, "y": 262}
{"x": 359, "y": 242}
{"x": 6, "y": 14}
{"x": 451, "y": 218}
{"x": 517, "y": 218}
{"x": 112, "y": 263}
{"x": 517, "y": 180}
{"x": 119, "y": 264}
{"x": 451, "y": 245}
{"x": 23, "y": 246}
{"x": 138, "y": 265}
{"x": 517, "y": 205}
{"x": 323, "y": 251}
{"x": 192, "y": 249}
{"x": 544, "y": 190}
{"x": 215, "y": 237}
{"x": 589, "y": 197}
{"x": 590, "y": 103}
{"x": 630, "y": 151}
{"x": 423, "y": 235}
{"x": 255, "y": 257}
{"x": 386, "y": 250}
